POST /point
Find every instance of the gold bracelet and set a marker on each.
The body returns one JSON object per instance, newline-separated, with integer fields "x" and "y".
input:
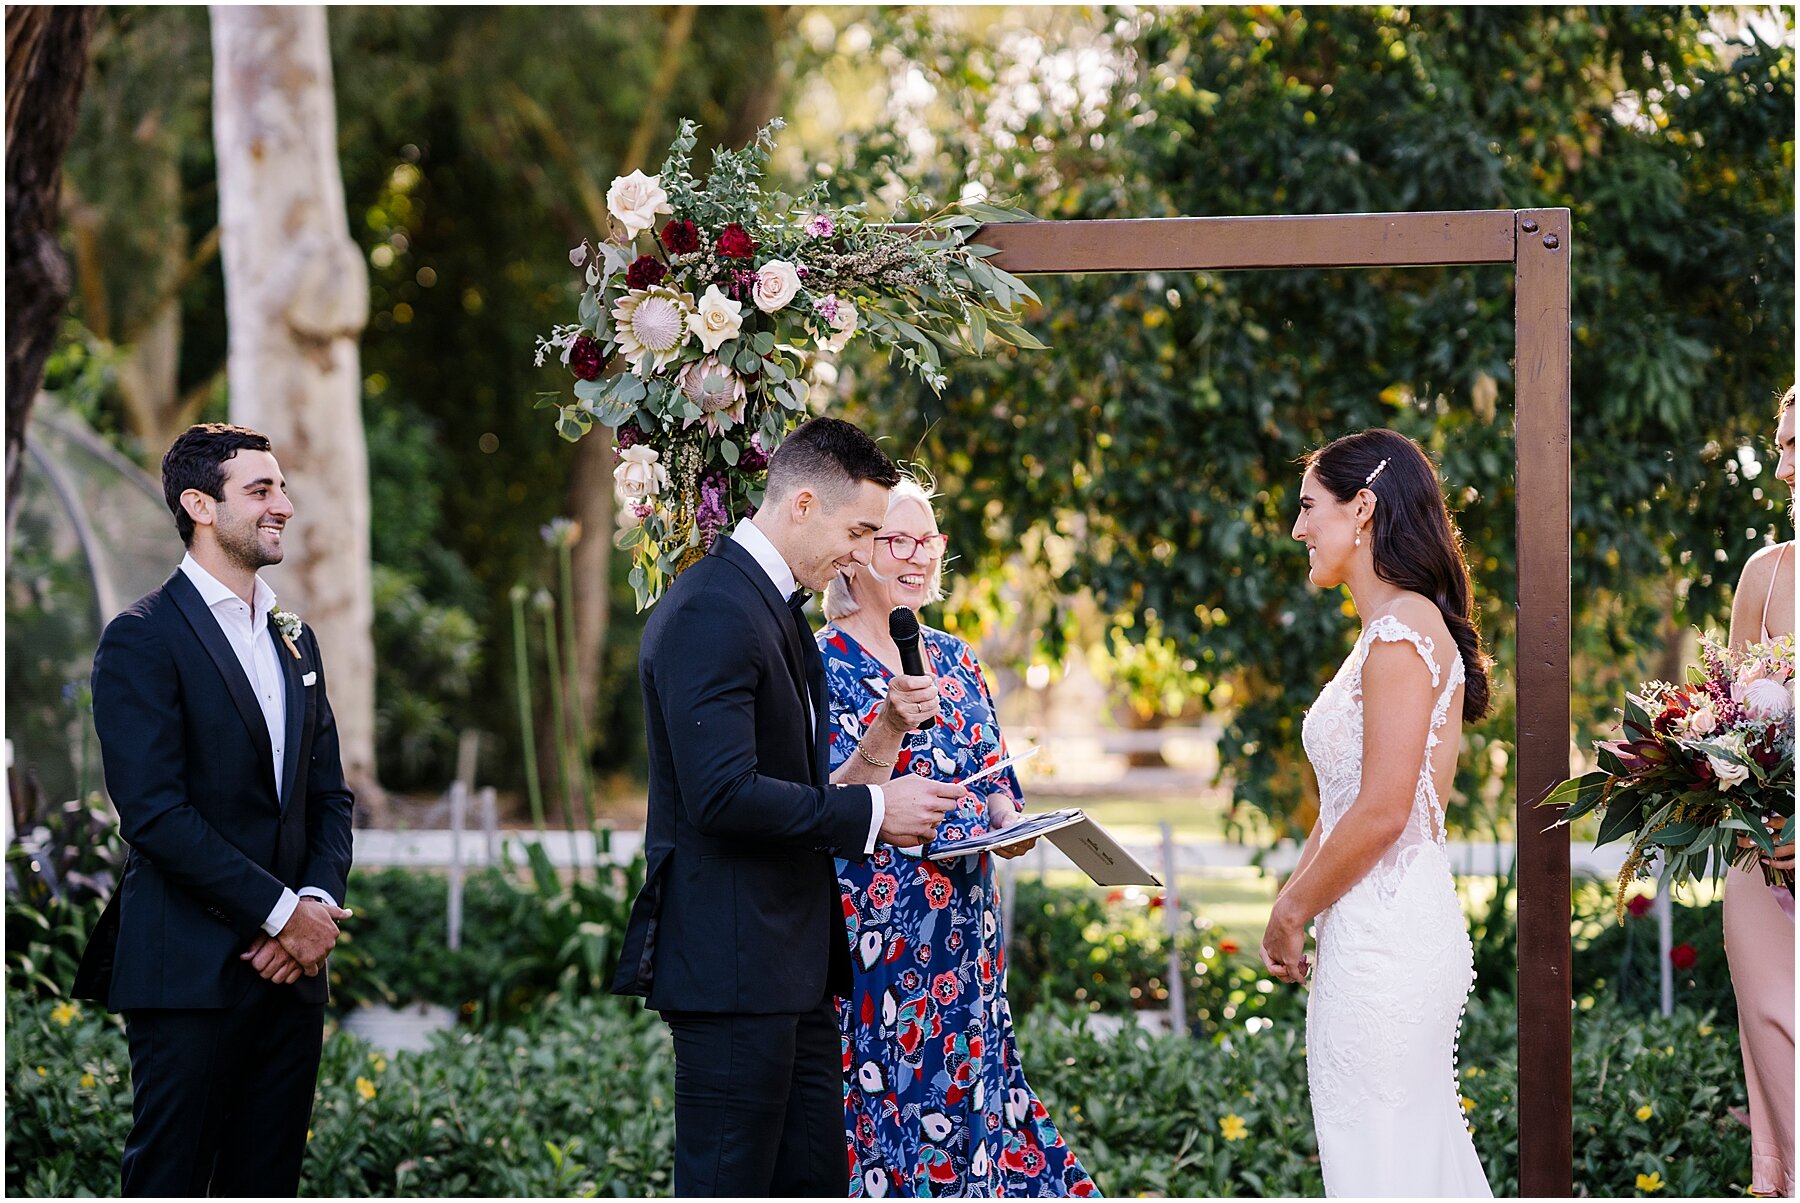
{"x": 880, "y": 764}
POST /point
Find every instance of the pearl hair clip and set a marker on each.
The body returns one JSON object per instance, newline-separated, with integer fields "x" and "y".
{"x": 1370, "y": 478}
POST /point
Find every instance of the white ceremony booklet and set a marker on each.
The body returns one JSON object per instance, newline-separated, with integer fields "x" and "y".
{"x": 1080, "y": 838}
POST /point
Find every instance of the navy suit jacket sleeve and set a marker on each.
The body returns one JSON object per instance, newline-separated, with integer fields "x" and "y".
{"x": 137, "y": 713}
{"x": 707, "y": 694}
{"x": 328, "y": 801}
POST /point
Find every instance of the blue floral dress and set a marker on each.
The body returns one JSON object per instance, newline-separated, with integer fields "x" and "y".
{"x": 935, "y": 1101}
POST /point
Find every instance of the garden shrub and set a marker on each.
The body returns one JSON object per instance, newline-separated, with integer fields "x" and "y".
{"x": 578, "y": 1097}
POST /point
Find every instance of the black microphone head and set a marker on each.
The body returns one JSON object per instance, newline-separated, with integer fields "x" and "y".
{"x": 903, "y": 625}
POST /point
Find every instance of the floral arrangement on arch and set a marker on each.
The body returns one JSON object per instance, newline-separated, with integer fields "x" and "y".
{"x": 1700, "y": 765}
{"x": 703, "y": 309}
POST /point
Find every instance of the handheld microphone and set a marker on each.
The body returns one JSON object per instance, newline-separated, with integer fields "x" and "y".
{"x": 903, "y": 626}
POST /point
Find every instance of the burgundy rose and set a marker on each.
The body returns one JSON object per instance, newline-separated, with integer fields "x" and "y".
{"x": 681, "y": 237}
{"x": 735, "y": 244}
{"x": 585, "y": 359}
{"x": 629, "y": 435}
{"x": 1639, "y": 906}
{"x": 753, "y": 458}
{"x": 1683, "y": 956}
{"x": 647, "y": 272}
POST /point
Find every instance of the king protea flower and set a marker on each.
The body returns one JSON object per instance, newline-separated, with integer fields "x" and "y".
{"x": 653, "y": 321}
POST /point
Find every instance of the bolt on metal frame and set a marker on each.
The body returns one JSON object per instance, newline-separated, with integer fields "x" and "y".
{"x": 1535, "y": 242}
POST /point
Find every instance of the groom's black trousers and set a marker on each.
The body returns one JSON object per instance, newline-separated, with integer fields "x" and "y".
{"x": 759, "y": 1104}
{"x": 221, "y": 1099}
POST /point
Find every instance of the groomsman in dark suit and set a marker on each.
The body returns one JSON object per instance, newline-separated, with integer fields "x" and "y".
{"x": 738, "y": 936}
{"x": 221, "y": 756}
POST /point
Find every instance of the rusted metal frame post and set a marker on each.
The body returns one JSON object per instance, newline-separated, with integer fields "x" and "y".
{"x": 1541, "y": 440}
{"x": 1536, "y": 243}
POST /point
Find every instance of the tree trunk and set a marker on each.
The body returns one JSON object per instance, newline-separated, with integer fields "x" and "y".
{"x": 297, "y": 298}
{"x": 46, "y": 62}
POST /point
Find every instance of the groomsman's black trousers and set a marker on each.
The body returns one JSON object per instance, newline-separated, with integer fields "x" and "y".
{"x": 221, "y": 1099}
{"x": 759, "y": 1104}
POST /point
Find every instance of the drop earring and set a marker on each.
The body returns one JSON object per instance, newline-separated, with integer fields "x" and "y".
{"x": 1359, "y": 536}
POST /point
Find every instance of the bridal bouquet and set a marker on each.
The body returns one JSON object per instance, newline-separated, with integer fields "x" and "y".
{"x": 1701, "y": 764}
{"x": 703, "y": 308}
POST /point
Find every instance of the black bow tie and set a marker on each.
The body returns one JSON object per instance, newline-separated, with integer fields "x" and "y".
{"x": 797, "y": 600}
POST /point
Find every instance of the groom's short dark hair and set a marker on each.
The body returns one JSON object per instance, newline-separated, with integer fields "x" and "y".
{"x": 196, "y": 460}
{"x": 831, "y": 455}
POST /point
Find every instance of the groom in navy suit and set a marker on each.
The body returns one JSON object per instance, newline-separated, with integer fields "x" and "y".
{"x": 221, "y": 757}
{"x": 738, "y": 936}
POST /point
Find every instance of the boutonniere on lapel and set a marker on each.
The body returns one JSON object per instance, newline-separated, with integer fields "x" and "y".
{"x": 288, "y": 623}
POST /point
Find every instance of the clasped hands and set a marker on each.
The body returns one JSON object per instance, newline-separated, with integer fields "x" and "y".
{"x": 301, "y": 946}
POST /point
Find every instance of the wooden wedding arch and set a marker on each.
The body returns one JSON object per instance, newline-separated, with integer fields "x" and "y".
{"x": 1535, "y": 243}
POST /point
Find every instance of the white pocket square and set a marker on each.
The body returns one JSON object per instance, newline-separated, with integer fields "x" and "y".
{"x": 309, "y": 678}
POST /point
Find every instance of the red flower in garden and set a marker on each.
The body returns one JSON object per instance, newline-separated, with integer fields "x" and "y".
{"x": 585, "y": 359}
{"x": 1639, "y": 906}
{"x": 1683, "y": 956}
{"x": 881, "y": 889}
{"x": 1156, "y": 903}
{"x": 1228, "y": 946}
{"x": 1116, "y": 896}
{"x": 681, "y": 237}
{"x": 647, "y": 272}
{"x": 735, "y": 244}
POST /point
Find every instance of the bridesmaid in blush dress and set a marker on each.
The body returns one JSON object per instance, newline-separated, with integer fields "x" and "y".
{"x": 1759, "y": 919}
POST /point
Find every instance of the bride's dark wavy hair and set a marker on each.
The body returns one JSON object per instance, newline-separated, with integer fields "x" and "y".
{"x": 1416, "y": 544}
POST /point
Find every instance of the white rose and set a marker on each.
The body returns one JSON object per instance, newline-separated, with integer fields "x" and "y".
{"x": 776, "y": 283}
{"x": 634, "y": 201}
{"x": 717, "y": 319}
{"x": 1729, "y": 772}
{"x": 842, "y": 314}
{"x": 639, "y": 477}
{"x": 1703, "y": 722}
{"x": 1768, "y": 700}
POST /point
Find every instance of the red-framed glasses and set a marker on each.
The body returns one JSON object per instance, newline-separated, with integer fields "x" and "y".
{"x": 905, "y": 547}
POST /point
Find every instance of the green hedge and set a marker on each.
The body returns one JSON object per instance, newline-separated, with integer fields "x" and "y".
{"x": 578, "y": 1098}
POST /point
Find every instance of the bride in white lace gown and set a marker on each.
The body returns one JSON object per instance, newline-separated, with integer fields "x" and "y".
{"x": 1394, "y": 962}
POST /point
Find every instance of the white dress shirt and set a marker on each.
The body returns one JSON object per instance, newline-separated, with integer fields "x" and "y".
{"x": 750, "y": 537}
{"x": 246, "y": 629}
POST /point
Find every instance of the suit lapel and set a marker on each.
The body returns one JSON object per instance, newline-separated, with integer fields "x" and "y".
{"x": 296, "y": 709}
{"x": 798, "y": 665}
{"x": 206, "y": 628}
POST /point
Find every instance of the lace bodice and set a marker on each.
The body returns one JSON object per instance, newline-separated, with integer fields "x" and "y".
{"x": 1333, "y": 737}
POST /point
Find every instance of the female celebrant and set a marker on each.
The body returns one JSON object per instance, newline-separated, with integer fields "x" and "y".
{"x": 935, "y": 1101}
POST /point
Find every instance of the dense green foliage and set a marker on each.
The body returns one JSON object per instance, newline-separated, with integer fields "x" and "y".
{"x": 1150, "y": 459}
{"x": 1147, "y": 461}
{"x": 579, "y": 1099}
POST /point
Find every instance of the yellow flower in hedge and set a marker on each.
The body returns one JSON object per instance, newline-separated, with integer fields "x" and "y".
{"x": 42, "y": 1072}
{"x": 1468, "y": 1104}
{"x": 1646, "y": 1111}
{"x": 379, "y": 1062}
{"x": 365, "y": 1089}
{"x": 1232, "y": 1127}
{"x": 1650, "y": 1182}
{"x": 64, "y": 1013}
{"x": 87, "y": 1081}
{"x": 1705, "y": 1029}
